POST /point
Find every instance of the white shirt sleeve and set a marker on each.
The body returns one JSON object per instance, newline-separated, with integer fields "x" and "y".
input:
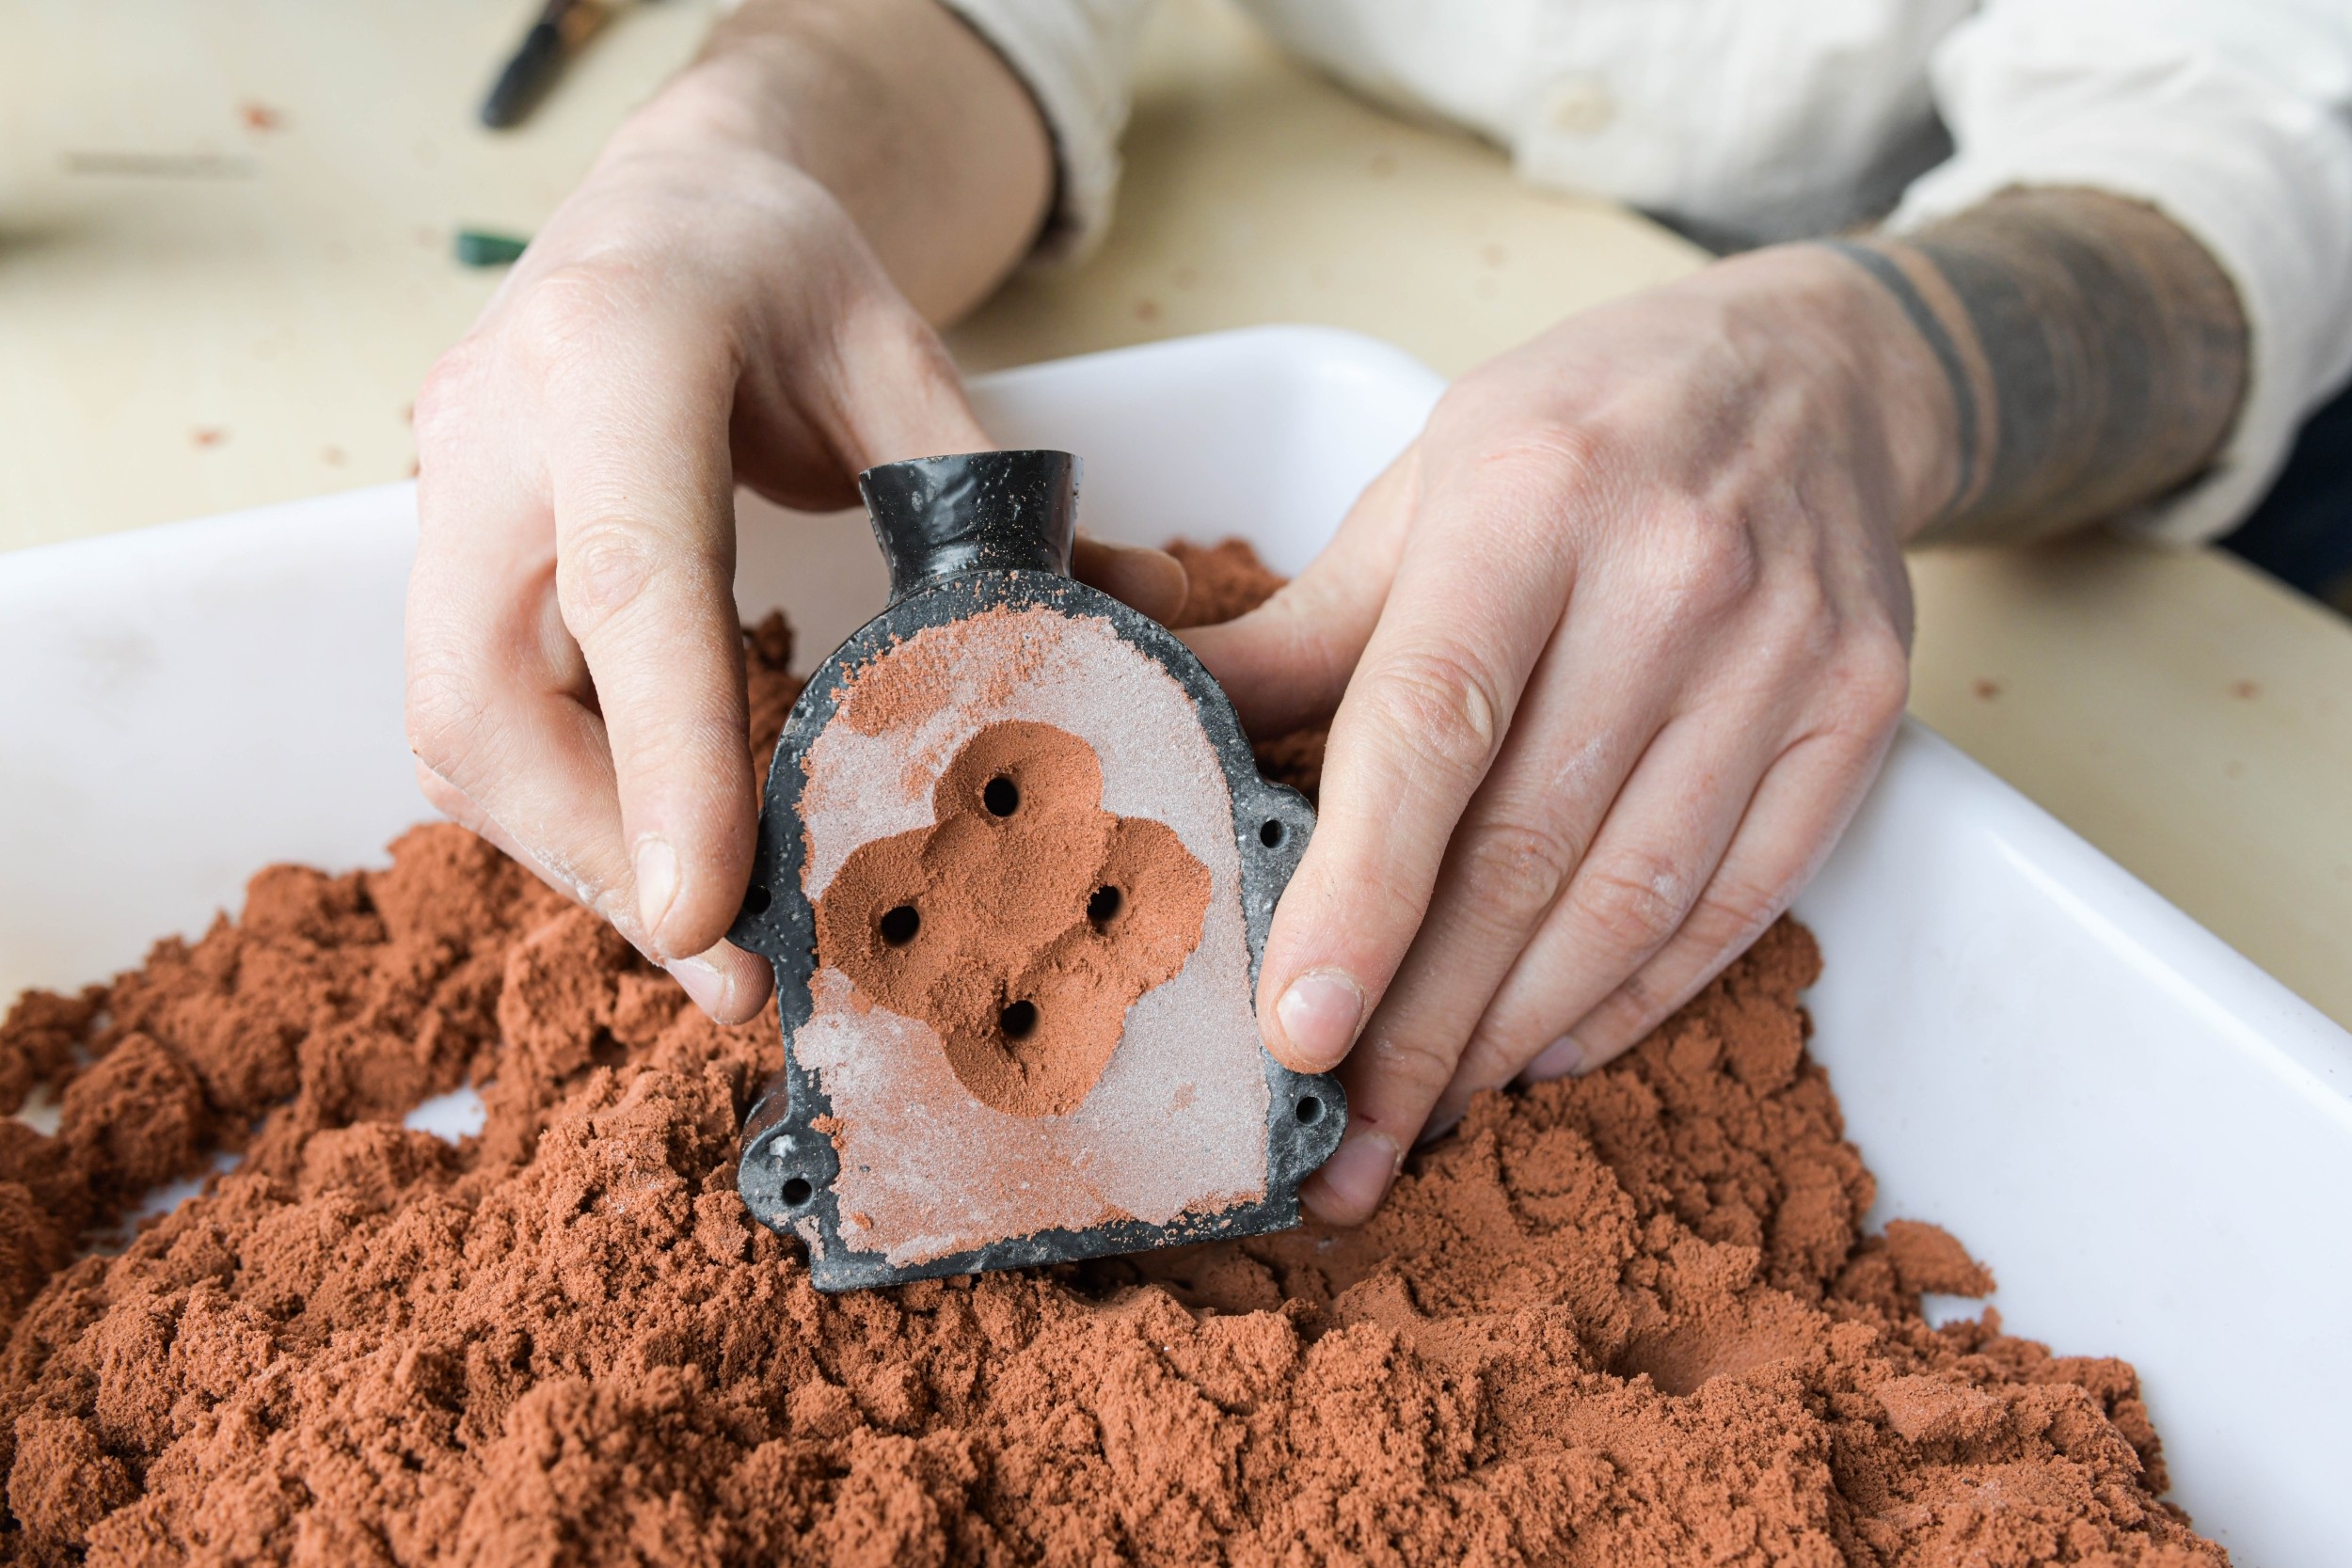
{"x": 2233, "y": 117}
{"x": 1077, "y": 59}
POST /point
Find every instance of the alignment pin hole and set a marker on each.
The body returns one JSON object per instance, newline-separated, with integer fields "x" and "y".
{"x": 755, "y": 899}
{"x": 1001, "y": 796}
{"x": 1018, "y": 1021}
{"x": 898, "y": 925}
{"x": 1270, "y": 834}
{"x": 797, "y": 1191}
{"x": 1309, "y": 1110}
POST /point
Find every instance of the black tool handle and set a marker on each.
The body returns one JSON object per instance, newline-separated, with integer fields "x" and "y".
{"x": 526, "y": 78}
{"x": 978, "y": 511}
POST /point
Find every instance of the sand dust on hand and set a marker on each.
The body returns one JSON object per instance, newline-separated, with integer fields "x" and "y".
{"x": 1628, "y": 1319}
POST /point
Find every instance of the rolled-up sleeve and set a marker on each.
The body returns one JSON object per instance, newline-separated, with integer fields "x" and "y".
{"x": 2233, "y": 117}
{"x": 1077, "y": 59}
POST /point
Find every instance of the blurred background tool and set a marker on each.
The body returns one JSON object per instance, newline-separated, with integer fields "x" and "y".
{"x": 480, "y": 247}
{"x": 563, "y": 27}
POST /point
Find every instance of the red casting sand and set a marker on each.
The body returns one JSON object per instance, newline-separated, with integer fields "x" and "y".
{"x": 1629, "y": 1320}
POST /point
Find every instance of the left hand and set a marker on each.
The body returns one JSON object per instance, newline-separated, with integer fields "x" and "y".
{"x": 1615, "y": 648}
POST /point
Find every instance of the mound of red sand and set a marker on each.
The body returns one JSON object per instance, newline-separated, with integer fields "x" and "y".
{"x": 1628, "y": 1319}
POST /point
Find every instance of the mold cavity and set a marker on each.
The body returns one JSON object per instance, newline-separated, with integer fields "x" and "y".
{"x": 1105, "y": 906}
{"x": 797, "y": 1191}
{"x": 755, "y": 899}
{"x": 1309, "y": 1110}
{"x": 1001, "y": 796}
{"x": 1270, "y": 833}
{"x": 1018, "y": 1021}
{"x": 898, "y": 925}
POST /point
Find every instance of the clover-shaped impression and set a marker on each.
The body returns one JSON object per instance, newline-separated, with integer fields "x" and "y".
{"x": 1023, "y": 923}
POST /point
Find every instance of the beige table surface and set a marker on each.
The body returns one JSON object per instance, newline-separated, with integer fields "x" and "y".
{"x": 224, "y": 265}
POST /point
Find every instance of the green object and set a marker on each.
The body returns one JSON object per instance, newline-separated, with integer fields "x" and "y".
{"x": 479, "y": 248}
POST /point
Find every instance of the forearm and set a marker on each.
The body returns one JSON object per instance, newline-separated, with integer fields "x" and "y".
{"x": 2094, "y": 356}
{"x": 914, "y": 125}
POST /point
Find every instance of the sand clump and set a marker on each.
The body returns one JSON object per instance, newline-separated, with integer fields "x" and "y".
{"x": 1626, "y": 1320}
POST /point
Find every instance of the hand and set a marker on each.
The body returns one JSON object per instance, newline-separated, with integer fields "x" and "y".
{"x": 699, "y": 313}
{"x": 1622, "y": 638}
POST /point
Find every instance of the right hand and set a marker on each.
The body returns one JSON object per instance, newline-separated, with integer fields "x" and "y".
{"x": 698, "y": 314}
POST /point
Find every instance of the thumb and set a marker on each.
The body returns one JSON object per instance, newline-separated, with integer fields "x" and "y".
{"x": 1142, "y": 578}
{"x": 1286, "y": 663}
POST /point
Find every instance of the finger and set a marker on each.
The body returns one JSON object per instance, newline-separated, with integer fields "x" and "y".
{"x": 1657, "y": 852}
{"x": 641, "y": 486}
{"x": 723, "y": 981}
{"x": 502, "y": 713}
{"x": 497, "y": 706}
{"x": 892, "y": 388}
{"x": 500, "y": 709}
{"x": 1286, "y": 663}
{"x": 1147, "y": 580}
{"x": 1361, "y": 1171}
{"x": 833, "y": 383}
{"x": 1592, "y": 708}
{"x": 726, "y": 982}
{"x": 1799, "y": 810}
{"x": 1478, "y": 591}
{"x": 642, "y": 493}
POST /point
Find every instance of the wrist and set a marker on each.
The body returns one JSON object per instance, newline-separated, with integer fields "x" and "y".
{"x": 728, "y": 103}
{"x": 922, "y": 134}
{"x": 1887, "y": 379}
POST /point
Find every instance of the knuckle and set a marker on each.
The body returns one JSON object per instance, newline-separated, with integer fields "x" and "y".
{"x": 1634, "y": 900}
{"x": 1546, "y": 457}
{"x": 1803, "y": 614}
{"x": 891, "y": 334}
{"x": 1730, "y": 914}
{"x": 1615, "y": 1025}
{"x": 1415, "y": 1068}
{"x": 606, "y": 568}
{"x": 567, "y": 311}
{"x": 1440, "y": 709}
{"x": 445, "y": 397}
{"x": 1637, "y": 998}
{"x": 1502, "y": 1046}
{"x": 1793, "y": 639}
{"x": 1514, "y": 871}
{"x": 446, "y": 711}
{"x": 1875, "y": 678}
{"x": 1484, "y": 415}
{"x": 1712, "y": 564}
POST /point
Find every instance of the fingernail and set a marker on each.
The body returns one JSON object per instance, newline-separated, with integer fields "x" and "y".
{"x": 1560, "y": 1058}
{"x": 707, "y": 984}
{"x": 1320, "y": 1014}
{"x": 656, "y": 883}
{"x": 1355, "y": 1177}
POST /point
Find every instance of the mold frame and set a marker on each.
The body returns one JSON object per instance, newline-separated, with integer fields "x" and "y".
{"x": 780, "y": 1145}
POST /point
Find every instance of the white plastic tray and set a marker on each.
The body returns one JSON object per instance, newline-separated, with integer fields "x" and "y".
{"x": 2149, "y": 1139}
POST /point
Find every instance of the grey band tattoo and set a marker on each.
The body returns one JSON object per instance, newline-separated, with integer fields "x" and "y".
{"x": 1939, "y": 343}
{"x": 2096, "y": 354}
